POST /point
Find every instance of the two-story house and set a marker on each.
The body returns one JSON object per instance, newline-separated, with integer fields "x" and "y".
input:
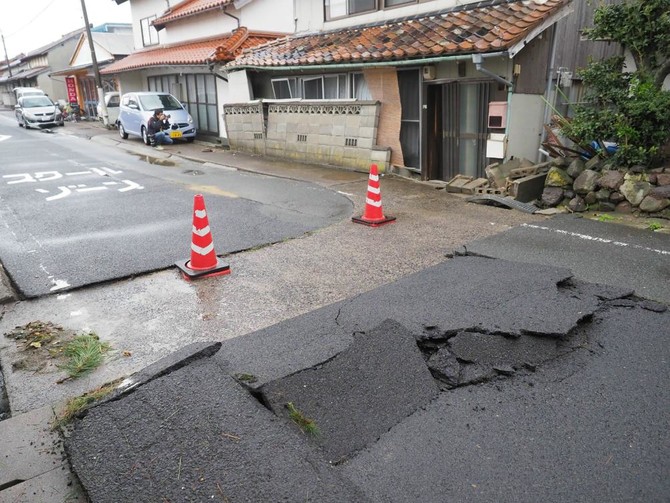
{"x": 176, "y": 42}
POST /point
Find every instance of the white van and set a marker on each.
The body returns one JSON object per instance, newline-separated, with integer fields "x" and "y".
{"x": 20, "y": 92}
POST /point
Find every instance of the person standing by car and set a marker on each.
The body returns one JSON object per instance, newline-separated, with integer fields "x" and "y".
{"x": 156, "y": 127}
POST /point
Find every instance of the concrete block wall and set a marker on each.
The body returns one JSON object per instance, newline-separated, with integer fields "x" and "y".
{"x": 323, "y": 132}
{"x": 245, "y": 125}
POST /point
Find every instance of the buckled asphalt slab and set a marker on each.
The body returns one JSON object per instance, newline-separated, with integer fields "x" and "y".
{"x": 359, "y": 394}
{"x": 531, "y": 432}
{"x": 206, "y": 439}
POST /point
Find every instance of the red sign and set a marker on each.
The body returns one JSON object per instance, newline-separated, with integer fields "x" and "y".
{"x": 71, "y": 89}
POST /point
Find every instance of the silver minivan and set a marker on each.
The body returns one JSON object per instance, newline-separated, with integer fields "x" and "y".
{"x": 136, "y": 109}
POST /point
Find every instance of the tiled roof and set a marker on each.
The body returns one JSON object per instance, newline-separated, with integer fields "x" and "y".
{"x": 25, "y": 73}
{"x": 188, "y": 8}
{"x": 192, "y": 53}
{"x": 481, "y": 27}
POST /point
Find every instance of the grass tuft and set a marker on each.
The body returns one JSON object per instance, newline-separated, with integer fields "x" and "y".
{"x": 605, "y": 217}
{"x": 84, "y": 354}
{"x": 304, "y": 423}
{"x": 654, "y": 226}
{"x": 248, "y": 378}
{"x": 77, "y": 404}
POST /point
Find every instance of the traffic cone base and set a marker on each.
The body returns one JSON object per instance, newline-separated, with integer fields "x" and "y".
{"x": 203, "y": 262}
{"x": 373, "y": 223}
{"x": 220, "y": 269}
{"x": 373, "y": 215}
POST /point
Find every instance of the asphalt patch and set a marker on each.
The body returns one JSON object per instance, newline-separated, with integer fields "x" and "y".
{"x": 359, "y": 394}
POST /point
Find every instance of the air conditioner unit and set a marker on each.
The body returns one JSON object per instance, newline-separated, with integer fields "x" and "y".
{"x": 497, "y": 115}
{"x": 428, "y": 72}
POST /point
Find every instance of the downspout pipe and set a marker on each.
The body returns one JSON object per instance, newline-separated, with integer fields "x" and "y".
{"x": 210, "y": 67}
{"x": 549, "y": 94}
{"x": 234, "y": 17}
{"x": 477, "y": 61}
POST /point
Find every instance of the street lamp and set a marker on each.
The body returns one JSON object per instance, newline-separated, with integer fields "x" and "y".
{"x": 96, "y": 71}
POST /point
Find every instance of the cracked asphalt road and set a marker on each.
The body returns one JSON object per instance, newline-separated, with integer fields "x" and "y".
{"x": 587, "y": 422}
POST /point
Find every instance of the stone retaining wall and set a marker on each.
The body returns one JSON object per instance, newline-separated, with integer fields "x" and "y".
{"x": 594, "y": 185}
{"x": 324, "y": 132}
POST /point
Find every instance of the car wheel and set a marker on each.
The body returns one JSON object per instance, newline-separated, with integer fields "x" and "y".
{"x": 20, "y": 125}
{"x": 122, "y": 132}
{"x": 145, "y": 137}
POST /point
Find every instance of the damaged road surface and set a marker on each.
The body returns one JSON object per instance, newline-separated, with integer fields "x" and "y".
{"x": 474, "y": 380}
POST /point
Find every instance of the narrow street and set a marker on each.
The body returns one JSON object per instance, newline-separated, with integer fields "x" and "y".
{"x": 106, "y": 214}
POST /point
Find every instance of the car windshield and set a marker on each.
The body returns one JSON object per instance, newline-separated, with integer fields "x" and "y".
{"x": 36, "y": 101}
{"x": 164, "y": 101}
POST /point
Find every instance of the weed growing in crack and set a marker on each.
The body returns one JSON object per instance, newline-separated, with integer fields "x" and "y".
{"x": 246, "y": 378}
{"x": 304, "y": 423}
{"x": 79, "y": 403}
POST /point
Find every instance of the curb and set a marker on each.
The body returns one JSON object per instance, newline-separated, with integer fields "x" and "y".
{"x": 7, "y": 293}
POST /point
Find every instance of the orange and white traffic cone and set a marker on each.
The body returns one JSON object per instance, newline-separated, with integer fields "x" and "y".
{"x": 373, "y": 214}
{"x": 204, "y": 262}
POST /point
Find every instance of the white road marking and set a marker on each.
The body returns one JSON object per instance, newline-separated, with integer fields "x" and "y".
{"x": 587, "y": 237}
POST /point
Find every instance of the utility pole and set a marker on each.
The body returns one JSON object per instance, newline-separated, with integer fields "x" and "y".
{"x": 6, "y": 58}
{"x": 96, "y": 71}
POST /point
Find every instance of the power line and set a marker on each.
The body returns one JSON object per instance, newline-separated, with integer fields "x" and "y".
{"x": 33, "y": 19}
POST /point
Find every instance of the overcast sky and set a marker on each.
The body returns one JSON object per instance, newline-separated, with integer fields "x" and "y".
{"x": 30, "y": 24}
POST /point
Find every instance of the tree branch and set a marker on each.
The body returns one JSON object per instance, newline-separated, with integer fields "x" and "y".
{"x": 661, "y": 73}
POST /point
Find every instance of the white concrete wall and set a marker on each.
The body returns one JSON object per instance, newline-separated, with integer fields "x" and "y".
{"x": 84, "y": 55}
{"x": 270, "y": 15}
{"x": 524, "y": 130}
{"x": 239, "y": 88}
{"x": 206, "y": 25}
{"x": 310, "y": 13}
{"x": 132, "y": 81}
{"x": 258, "y": 15}
{"x": 222, "y": 96}
{"x": 139, "y": 9}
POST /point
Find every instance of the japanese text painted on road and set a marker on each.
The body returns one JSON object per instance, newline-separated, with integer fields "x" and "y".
{"x": 67, "y": 189}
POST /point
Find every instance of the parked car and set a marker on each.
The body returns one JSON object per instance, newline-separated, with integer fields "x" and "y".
{"x": 20, "y": 92}
{"x": 37, "y": 111}
{"x": 112, "y": 101}
{"x": 136, "y": 108}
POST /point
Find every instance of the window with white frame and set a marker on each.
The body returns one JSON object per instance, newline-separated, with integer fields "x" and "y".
{"x": 149, "y": 33}
{"x": 335, "y": 9}
{"x": 341, "y": 8}
{"x": 359, "y": 88}
{"x": 336, "y": 86}
{"x": 284, "y": 88}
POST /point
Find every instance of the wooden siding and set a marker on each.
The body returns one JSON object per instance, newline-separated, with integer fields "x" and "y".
{"x": 572, "y": 52}
{"x": 534, "y": 60}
